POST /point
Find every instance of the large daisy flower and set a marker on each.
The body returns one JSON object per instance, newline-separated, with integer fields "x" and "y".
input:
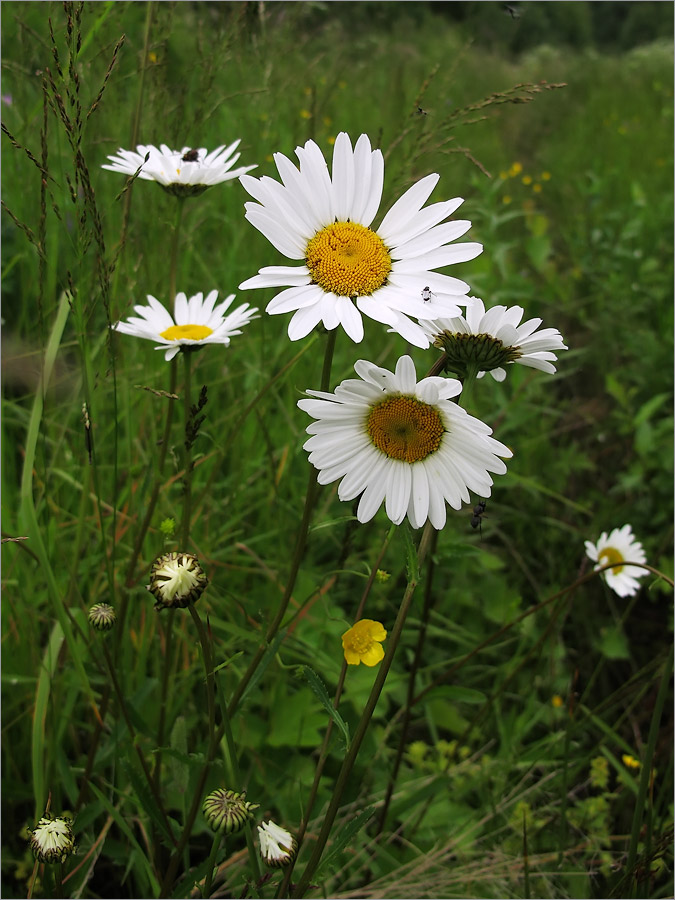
{"x": 490, "y": 340}
{"x": 180, "y": 171}
{"x": 620, "y": 545}
{"x": 195, "y": 322}
{"x": 404, "y": 442}
{"x": 347, "y": 267}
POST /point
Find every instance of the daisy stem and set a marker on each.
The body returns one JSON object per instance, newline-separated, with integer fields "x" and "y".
{"x": 310, "y": 497}
{"x": 468, "y": 382}
{"x": 323, "y": 753}
{"x": 173, "y": 264}
{"x": 364, "y": 722}
{"x": 426, "y": 613}
{"x": 208, "y": 880}
{"x": 187, "y": 455}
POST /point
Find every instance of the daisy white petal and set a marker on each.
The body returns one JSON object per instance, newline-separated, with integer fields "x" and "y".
{"x": 182, "y": 172}
{"x": 324, "y": 219}
{"x": 619, "y": 546}
{"x": 195, "y": 322}
{"x": 400, "y": 442}
{"x": 492, "y": 339}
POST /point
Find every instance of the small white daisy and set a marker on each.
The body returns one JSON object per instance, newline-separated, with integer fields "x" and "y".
{"x": 278, "y": 847}
{"x": 195, "y": 322}
{"x": 347, "y": 267}
{"x": 619, "y": 546}
{"x": 180, "y": 169}
{"x": 401, "y": 441}
{"x": 493, "y": 339}
{"x": 52, "y": 839}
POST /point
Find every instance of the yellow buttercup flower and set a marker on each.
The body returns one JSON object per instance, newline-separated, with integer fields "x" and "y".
{"x": 630, "y": 761}
{"x": 557, "y": 701}
{"x": 527, "y": 179}
{"x": 362, "y": 643}
{"x": 515, "y": 169}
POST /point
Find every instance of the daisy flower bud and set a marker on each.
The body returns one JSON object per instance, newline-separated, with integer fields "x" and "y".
{"x": 176, "y": 579}
{"x": 278, "y": 847}
{"x": 227, "y": 811}
{"x": 102, "y": 617}
{"x": 52, "y": 840}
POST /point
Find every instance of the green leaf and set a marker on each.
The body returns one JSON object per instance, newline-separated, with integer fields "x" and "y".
{"x": 320, "y": 690}
{"x": 613, "y": 643}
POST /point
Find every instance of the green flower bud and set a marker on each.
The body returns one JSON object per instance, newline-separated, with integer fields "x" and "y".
{"x": 176, "y": 579}
{"x": 52, "y": 840}
{"x": 227, "y": 811}
{"x": 102, "y": 617}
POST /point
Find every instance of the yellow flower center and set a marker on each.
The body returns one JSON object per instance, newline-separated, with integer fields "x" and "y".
{"x": 610, "y": 555}
{"x": 405, "y": 428}
{"x": 186, "y": 332}
{"x": 348, "y": 259}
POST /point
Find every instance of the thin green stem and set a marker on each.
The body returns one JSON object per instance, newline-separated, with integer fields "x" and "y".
{"x": 187, "y": 454}
{"x": 310, "y": 497}
{"x": 323, "y": 753}
{"x": 412, "y": 677}
{"x": 365, "y": 719}
{"x": 208, "y": 880}
{"x": 207, "y": 655}
{"x": 132, "y": 735}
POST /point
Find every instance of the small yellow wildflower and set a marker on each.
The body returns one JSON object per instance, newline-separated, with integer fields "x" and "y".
{"x": 545, "y": 176}
{"x": 305, "y": 114}
{"x": 331, "y": 140}
{"x": 152, "y": 57}
{"x": 515, "y": 169}
{"x": 536, "y": 188}
{"x": 527, "y": 179}
{"x": 506, "y": 199}
{"x": 362, "y": 643}
{"x": 381, "y": 576}
{"x": 630, "y": 761}
{"x": 557, "y": 701}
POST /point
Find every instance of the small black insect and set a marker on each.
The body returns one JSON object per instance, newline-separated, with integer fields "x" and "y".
{"x": 191, "y": 156}
{"x": 513, "y": 11}
{"x": 477, "y": 517}
{"x": 426, "y": 294}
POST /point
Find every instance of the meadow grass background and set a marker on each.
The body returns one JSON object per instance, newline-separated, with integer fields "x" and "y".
{"x": 489, "y": 753}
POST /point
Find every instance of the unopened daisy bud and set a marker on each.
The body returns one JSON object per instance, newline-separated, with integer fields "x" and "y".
{"x": 52, "y": 840}
{"x": 176, "y": 579}
{"x": 227, "y": 811}
{"x": 102, "y": 617}
{"x": 278, "y": 847}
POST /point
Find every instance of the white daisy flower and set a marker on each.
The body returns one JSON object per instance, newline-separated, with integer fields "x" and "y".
{"x": 278, "y": 847}
{"x": 493, "y": 339}
{"x": 619, "y": 546}
{"x": 52, "y": 839}
{"x": 404, "y": 442}
{"x": 347, "y": 267}
{"x": 186, "y": 171}
{"x": 194, "y": 322}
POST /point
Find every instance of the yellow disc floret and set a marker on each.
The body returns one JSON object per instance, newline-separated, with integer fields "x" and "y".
{"x": 611, "y": 555}
{"x": 186, "y": 332}
{"x": 405, "y": 428}
{"x": 348, "y": 259}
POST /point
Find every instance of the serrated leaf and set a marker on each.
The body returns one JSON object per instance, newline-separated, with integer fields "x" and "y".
{"x": 319, "y": 689}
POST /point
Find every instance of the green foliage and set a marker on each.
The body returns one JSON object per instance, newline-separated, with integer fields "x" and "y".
{"x": 528, "y": 694}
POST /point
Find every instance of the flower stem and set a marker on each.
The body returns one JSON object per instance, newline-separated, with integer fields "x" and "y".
{"x": 207, "y": 656}
{"x": 323, "y": 753}
{"x": 426, "y": 612}
{"x": 310, "y": 497}
{"x": 187, "y": 454}
{"x": 208, "y": 880}
{"x": 365, "y": 719}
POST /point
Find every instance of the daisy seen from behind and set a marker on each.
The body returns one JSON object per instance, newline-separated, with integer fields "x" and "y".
{"x": 401, "y": 442}
{"x": 347, "y": 269}
{"x": 616, "y": 547}
{"x": 195, "y": 322}
{"x": 183, "y": 171}
{"x": 486, "y": 341}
